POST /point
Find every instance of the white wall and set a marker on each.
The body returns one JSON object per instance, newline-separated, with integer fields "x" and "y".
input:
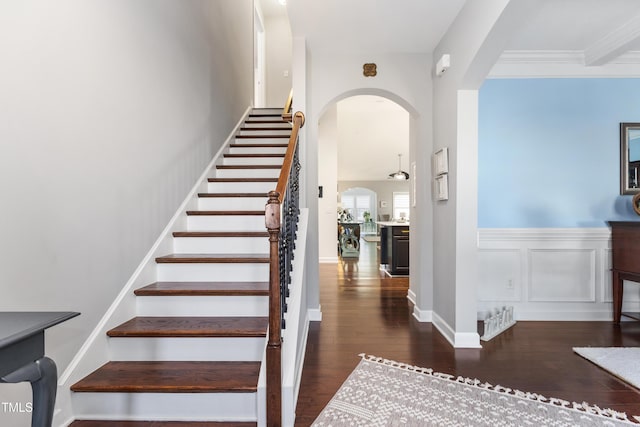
{"x": 278, "y": 60}
{"x": 110, "y": 111}
{"x": 474, "y": 42}
{"x": 328, "y": 179}
{"x": 372, "y": 131}
{"x": 404, "y": 79}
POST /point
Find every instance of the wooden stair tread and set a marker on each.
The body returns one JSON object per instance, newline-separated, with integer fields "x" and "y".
{"x": 265, "y": 128}
{"x": 233, "y": 195}
{"x": 118, "y": 423}
{"x": 192, "y": 326}
{"x": 221, "y": 234}
{"x": 204, "y": 289}
{"x": 242, "y": 179}
{"x": 215, "y": 213}
{"x": 262, "y": 136}
{"x": 257, "y": 113}
{"x": 248, "y": 166}
{"x": 252, "y": 155}
{"x": 172, "y": 377}
{"x": 212, "y": 258}
{"x": 258, "y": 145}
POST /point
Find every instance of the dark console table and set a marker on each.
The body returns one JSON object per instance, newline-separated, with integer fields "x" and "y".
{"x": 22, "y": 358}
{"x": 625, "y": 245}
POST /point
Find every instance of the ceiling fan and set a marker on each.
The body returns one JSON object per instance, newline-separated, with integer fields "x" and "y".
{"x": 400, "y": 175}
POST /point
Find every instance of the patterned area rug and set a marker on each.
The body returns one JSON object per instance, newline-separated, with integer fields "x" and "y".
{"x": 382, "y": 392}
{"x": 619, "y": 361}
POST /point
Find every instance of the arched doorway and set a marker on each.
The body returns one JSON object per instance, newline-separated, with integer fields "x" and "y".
{"x": 359, "y": 140}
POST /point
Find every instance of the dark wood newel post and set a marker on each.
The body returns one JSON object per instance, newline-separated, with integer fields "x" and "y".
{"x": 274, "y": 345}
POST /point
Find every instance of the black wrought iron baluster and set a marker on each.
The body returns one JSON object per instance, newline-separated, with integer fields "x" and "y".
{"x": 288, "y": 231}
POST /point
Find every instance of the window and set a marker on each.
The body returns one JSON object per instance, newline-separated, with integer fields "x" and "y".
{"x": 401, "y": 205}
{"x": 357, "y": 205}
{"x": 358, "y": 201}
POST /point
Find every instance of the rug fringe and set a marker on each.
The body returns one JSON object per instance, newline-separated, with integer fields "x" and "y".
{"x": 581, "y": 407}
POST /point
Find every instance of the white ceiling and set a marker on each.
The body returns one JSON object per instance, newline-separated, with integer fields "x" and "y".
{"x": 372, "y": 25}
{"x": 372, "y": 131}
{"x": 589, "y": 32}
{"x": 600, "y": 30}
{"x": 579, "y": 25}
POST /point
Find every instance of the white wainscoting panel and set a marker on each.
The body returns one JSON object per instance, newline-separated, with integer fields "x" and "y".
{"x": 499, "y": 275}
{"x": 557, "y": 275}
{"x": 549, "y": 273}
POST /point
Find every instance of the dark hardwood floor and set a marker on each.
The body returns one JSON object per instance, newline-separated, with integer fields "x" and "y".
{"x": 365, "y": 312}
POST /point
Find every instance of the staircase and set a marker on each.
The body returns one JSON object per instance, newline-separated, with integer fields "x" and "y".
{"x": 192, "y": 354}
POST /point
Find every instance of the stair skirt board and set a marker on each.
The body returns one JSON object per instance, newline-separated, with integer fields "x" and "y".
{"x": 222, "y": 306}
{"x": 188, "y": 349}
{"x": 231, "y": 245}
{"x": 166, "y": 406}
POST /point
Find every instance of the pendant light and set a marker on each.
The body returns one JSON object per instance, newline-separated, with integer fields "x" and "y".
{"x": 400, "y": 175}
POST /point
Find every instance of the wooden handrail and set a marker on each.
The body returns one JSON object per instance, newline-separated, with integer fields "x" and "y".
{"x": 273, "y": 222}
{"x": 286, "y": 111}
{"x": 281, "y": 187}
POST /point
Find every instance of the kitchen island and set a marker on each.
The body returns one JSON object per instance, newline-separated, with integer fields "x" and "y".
{"x": 394, "y": 247}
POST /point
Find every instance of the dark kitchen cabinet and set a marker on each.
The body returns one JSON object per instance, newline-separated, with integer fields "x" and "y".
{"x": 394, "y": 248}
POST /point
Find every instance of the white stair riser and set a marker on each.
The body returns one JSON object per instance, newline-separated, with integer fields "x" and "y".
{"x": 261, "y": 140}
{"x": 270, "y": 132}
{"x": 241, "y": 187}
{"x": 253, "y": 161}
{"x": 257, "y": 150}
{"x": 247, "y": 173}
{"x": 220, "y": 245}
{"x": 226, "y": 222}
{"x": 276, "y": 125}
{"x": 166, "y": 406}
{"x": 213, "y": 306}
{"x": 232, "y": 203}
{"x": 234, "y": 272}
{"x": 257, "y": 112}
{"x": 187, "y": 349}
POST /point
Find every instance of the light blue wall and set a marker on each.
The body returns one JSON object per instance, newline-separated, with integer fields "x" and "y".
{"x": 549, "y": 151}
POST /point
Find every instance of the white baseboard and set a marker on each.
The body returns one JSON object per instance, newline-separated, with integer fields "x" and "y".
{"x": 456, "y": 339}
{"x": 424, "y": 316}
{"x": 315, "y": 314}
{"x": 411, "y": 296}
{"x": 444, "y": 328}
{"x": 328, "y": 260}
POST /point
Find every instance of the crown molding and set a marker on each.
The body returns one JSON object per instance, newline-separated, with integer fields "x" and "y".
{"x": 613, "y": 44}
{"x": 562, "y": 64}
{"x": 541, "y": 57}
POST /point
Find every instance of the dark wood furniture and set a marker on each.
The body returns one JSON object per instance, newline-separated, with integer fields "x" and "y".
{"x": 394, "y": 248}
{"x": 22, "y": 358}
{"x": 625, "y": 245}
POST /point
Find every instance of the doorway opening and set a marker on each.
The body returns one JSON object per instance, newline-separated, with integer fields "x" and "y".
{"x": 359, "y": 141}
